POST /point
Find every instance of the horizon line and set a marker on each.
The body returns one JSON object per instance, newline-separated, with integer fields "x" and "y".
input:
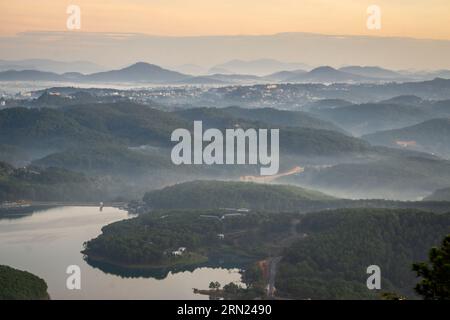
{"x": 337, "y": 35}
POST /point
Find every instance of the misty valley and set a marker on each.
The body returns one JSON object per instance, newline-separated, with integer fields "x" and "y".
{"x": 238, "y": 144}
{"x": 328, "y": 172}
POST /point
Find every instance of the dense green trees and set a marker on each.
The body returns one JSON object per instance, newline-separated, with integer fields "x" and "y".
{"x": 47, "y": 184}
{"x": 435, "y": 282}
{"x": 330, "y": 261}
{"x": 431, "y": 136}
{"x": 21, "y": 285}
{"x": 211, "y": 194}
{"x": 325, "y": 254}
{"x": 150, "y": 238}
{"x": 222, "y": 194}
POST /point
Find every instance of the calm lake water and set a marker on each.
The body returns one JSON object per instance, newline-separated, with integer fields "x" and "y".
{"x": 47, "y": 242}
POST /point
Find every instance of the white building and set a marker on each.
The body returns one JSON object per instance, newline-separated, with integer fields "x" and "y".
{"x": 179, "y": 252}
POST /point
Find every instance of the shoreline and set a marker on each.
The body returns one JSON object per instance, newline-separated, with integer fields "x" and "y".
{"x": 136, "y": 267}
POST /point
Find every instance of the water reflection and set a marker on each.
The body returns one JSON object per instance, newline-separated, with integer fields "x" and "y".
{"x": 46, "y": 242}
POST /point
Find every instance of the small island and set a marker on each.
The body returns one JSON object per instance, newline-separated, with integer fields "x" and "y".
{"x": 21, "y": 285}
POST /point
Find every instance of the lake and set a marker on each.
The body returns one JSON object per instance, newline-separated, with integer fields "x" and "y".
{"x": 46, "y": 242}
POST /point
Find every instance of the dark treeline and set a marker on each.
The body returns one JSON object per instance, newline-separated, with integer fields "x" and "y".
{"x": 331, "y": 261}
{"x": 21, "y": 285}
{"x": 269, "y": 197}
{"x": 324, "y": 254}
{"x": 150, "y": 239}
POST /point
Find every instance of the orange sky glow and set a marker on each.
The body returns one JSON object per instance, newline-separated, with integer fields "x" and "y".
{"x": 407, "y": 18}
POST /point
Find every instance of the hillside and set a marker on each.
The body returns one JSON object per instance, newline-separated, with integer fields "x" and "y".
{"x": 21, "y": 285}
{"x": 371, "y": 72}
{"x": 131, "y": 123}
{"x": 439, "y": 195}
{"x": 50, "y": 65}
{"x": 138, "y": 72}
{"x": 223, "y": 194}
{"x": 405, "y": 178}
{"x": 327, "y": 104}
{"x": 331, "y": 261}
{"x": 49, "y": 184}
{"x": 283, "y": 76}
{"x": 441, "y": 108}
{"x": 371, "y": 117}
{"x": 314, "y": 142}
{"x": 300, "y": 133}
{"x": 324, "y": 254}
{"x": 431, "y": 136}
{"x": 259, "y": 67}
{"x": 101, "y": 123}
{"x": 107, "y": 159}
{"x": 282, "y": 118}
{"x": 407, "y": 100}
{"x": 326, "y": 74}
{"x": 44, "y": 129}
{"x": 29, "y": 75}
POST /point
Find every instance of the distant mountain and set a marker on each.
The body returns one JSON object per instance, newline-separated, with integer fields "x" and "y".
{"x": 439, "y": 195}
{"x": 150, "y": 73}
{"x": 282, "y": 76}
{"x": 371, "y": 72}
{"x": 408, "y": 100}
{"x": 440, "y": 74}
{"x": 431, "y": 136}
{"x": 327, "y": 74}
{"x": 203, "y": 80}
{"x": 283, "y": 118}
{"x": 223, "y": 79}
{"x": 215, "y": 70}
{"x": 138, "y": 72}
{"x": 260, "y": 67}
{"x": 426, "y": 75}
{"x": 50, "y": 66}
{"x": 192, "y": 69}
{"x": 309, "y": 48}
{"x": 29, "y": 75}
{"x": 327, "y": 104}
{"x": 441, "y": 108}
{"x": 371, "y": 117}
{"x": 406, "y": 178}
{"x": 237, "y": 77}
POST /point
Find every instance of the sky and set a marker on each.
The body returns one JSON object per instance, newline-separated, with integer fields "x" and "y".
{"x": 414, "y": 34}
{"x": 429, "y": 19}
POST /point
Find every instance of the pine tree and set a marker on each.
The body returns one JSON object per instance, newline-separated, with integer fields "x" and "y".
{"x": 435, "y": 274}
